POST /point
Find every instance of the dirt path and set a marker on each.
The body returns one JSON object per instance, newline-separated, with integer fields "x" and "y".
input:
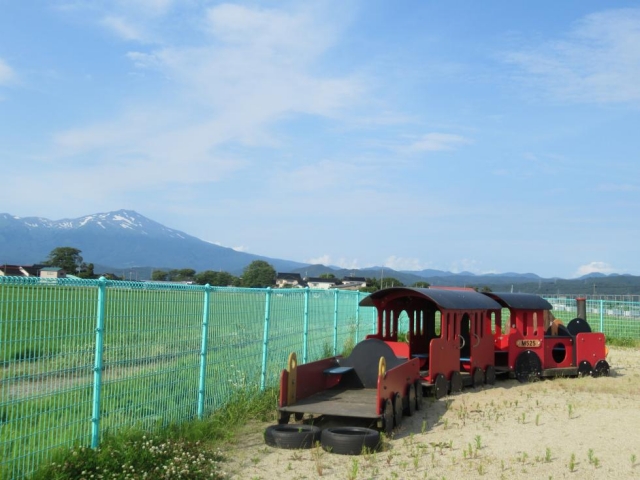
{"x": 563, "y": 428}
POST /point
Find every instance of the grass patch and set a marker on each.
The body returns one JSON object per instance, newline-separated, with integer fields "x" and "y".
{"x": 623, "y": 342}
{"x": 188, "y": 450}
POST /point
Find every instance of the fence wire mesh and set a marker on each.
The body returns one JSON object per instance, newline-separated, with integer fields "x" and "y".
{"x": 170, "y": 352}
{"x": 55, "y": 392}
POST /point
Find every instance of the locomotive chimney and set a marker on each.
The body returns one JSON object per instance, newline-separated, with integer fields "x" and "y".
{"x": 582, "y": 308}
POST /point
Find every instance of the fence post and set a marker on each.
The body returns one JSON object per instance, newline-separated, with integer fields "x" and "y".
{"x": 265, "y": 340}
{"x": 357, "y": 315}
{"x": 203, "y": 350}
{"x": 97, "y": 367}
{"x": 601, "y": 316}
{"x": 305, "y": 332}
{"x": 335, "y": 321}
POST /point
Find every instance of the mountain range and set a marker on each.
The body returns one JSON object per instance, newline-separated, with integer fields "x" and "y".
{"x": 125, "y": 240}
{"x": 120, "y": 240}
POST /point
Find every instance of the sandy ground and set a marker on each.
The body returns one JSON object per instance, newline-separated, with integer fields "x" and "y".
{"x": 582, "y": 428}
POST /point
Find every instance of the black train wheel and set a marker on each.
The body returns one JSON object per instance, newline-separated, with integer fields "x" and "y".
{"x": 440, "y": 386}
{"x": 490, "y": 375}
{"x": 528, "y": 366}
{"x": 398, "y": 408}
{"x": 419, "y": 394}
{"x": 456, "y": 382}
{"x": 584, "y": 369}
{"x": 411, "y": 401}
{"x": 387, "y": 416}
{"x": 478, "y": 377}
{"x": 601, "y": 369}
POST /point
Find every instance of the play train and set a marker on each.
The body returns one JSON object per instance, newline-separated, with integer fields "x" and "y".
{"x": 456, "y": 337}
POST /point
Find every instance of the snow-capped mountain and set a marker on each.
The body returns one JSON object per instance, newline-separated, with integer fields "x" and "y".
{"x": 120, "y": 239}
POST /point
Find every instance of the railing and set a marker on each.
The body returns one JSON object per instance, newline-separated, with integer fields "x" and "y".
{"x": 615, "y": 316}
{"x": 79, "y": 358}
{"x": 82, "y": 357}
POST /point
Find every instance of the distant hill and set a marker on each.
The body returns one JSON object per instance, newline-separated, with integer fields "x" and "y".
{"x": 591, "y": 284}
{"x": 127, "y": 243}
{"x": 120, "y": 240}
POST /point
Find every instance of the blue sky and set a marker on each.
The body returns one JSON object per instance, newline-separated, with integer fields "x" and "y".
{"x": 487, "y": 136}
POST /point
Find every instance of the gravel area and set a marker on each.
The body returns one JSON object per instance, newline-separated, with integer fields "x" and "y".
{"x": 582, "y": 428}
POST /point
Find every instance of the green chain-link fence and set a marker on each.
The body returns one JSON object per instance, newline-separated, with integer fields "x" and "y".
{"x": 82, "y": 357}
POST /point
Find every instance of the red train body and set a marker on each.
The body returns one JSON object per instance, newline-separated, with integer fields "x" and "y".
{"x": 456, "y": 337}
{"x": 462, "y": 338}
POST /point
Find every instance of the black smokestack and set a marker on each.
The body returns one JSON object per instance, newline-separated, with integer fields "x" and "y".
{"x": 582, "y": 308}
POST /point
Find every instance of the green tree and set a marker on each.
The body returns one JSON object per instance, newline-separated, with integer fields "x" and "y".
{"x": 87, "y": 271}
{"x": 390, "y": 282}
{"x": 421, "y": 285}
{"x": 181, "y": 275}
{"x": 258, "y": 274}
{"x": 215, "y": 279}
{"x": 159, "y": 276}
{"x": 67, "y": 258}
{"x": 374, "y": 284}
{"x": 327, "y": 275}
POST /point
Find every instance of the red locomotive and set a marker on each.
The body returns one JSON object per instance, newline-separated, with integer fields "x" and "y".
{"x": 460, "y": 336}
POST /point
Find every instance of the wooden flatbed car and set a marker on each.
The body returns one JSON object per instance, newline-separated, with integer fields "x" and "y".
{"x": 372, "y": 382}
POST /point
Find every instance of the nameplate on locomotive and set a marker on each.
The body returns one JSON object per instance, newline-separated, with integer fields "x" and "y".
{"x": 528, "y": 343}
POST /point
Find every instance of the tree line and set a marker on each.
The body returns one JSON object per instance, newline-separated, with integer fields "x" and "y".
{"x": 258, "y": 274}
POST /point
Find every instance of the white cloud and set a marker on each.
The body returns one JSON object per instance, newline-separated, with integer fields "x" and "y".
{"x": 257, "y": 69}
{"x": 598, "y": 61}
{"x": 7, "y": 74}
{"x": 122, "y": 28}
{"x": 147, "y": 7}
{"x": 435, "y": 142}
{"x": 321, "y": 260}
{"x": 401, "y": 263}
{"x": 465, "y": 265}
{"x": 326, "y": 260}
{"x": 594, "y": 267}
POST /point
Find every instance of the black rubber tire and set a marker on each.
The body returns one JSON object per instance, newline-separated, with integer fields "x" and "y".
{"x": 440, "y": 386}
{"x": 478, "y": 377}
{"x": 456, "y": 383}
{"x": 292, "y": 436}
{"x": 350, "y": 440}
{"x": 601, "y": 369}
{"x": 490, "y": 375}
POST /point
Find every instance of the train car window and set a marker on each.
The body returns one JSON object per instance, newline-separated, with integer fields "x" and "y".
{"x": 437, "y": 323}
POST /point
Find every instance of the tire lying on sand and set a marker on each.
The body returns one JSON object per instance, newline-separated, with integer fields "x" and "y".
{"x": 350, "y": 440}
{"x": 292, "y": 436}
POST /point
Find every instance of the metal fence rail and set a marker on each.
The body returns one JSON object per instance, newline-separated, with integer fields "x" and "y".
{"x": 82, "y": 357}
{"x": 615, "y": 316}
